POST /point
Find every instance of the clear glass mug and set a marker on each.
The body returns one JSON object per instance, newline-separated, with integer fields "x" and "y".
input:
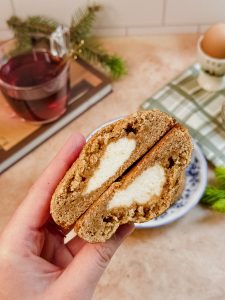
{"x": 36, "y": 82}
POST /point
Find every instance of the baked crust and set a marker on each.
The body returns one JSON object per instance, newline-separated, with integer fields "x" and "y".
{"x": 173, "y": 153}
{"x": 69, "y": 201}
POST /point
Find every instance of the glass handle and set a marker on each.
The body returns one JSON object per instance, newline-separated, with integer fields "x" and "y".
{"x": 59, "y": 41}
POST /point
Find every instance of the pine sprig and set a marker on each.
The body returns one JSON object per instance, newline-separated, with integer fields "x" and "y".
{"x": 35, "y": 24}
{"x": 23, "y": 43}
{"x": 219, "y": 205}
{"x": 24, "y": 30}
{"x": 115, "y": 65}
{"x": 93, "y": 52}
{"x": 220, "y": 176}
{"x": 215, "y": 196}
{"x": 81, "y": 43}
{"x": 212, "y": 194}
{"x": 82, "y": 22}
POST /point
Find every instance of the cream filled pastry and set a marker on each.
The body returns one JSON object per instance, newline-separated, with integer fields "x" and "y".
{"x": 144, "y": 192}
{"x": 104, "y": 159}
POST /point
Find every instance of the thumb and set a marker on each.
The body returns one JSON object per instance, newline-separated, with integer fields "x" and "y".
{"x": 82, "y": 275}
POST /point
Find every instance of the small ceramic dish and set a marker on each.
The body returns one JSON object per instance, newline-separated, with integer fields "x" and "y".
{"x": 214, "y": 66}
{"x": 211, "y": 77}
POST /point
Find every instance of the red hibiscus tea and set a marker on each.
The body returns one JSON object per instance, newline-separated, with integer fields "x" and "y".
{"x": 36, "y": 85}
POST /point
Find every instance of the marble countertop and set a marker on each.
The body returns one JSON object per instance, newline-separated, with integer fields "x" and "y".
{"x": 183, "y": 260}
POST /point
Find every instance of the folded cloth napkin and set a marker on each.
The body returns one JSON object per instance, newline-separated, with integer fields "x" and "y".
{"x": 197, "y": 109}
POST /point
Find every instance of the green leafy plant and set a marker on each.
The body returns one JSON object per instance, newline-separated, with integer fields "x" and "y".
{"x": 214, "y": 197}
{"x": 82, "y": 43}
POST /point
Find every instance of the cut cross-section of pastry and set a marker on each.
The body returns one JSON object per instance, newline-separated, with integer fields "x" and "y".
{"x": 144, "y": 192}
{"x": 104, "y": 158}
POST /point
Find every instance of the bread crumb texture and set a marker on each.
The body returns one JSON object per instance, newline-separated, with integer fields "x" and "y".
{"x": 83, "y": 184}
{"x": 168, "y": 160}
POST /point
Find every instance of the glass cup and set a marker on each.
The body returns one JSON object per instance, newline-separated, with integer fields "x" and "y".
{"x": 35, "y": 83}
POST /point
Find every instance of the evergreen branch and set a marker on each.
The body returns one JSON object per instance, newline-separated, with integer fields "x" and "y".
{"x": 212, "y": 194}
{"x": 41, "y": 24}
{"x": 115, "y": 66}
{"x": 35, "y": 24}
{"x": 81, "y": 44}
{"x": 219, "y": 205}
{"x": 214, "y": 197}
{"x": 82, "y": 22}
{"x": 15, "y": 23}
{"x": 220, "y": 176}
{"x": 94, "y": 53}
{"x": 23, "y": 43}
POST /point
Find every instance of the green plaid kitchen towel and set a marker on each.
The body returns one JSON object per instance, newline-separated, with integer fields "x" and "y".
{"x": 197, "y": 109}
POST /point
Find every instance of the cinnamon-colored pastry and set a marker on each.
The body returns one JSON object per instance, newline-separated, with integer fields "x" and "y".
{"x": 129, "y": 171}
{"x": 104, "y": 158}
{"x": 145, "y": 192}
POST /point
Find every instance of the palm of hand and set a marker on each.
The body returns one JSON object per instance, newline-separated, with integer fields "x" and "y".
{"x": 36, "y": 270}
{"x": 39, "y": 260}
{"x": 35, "y": 262}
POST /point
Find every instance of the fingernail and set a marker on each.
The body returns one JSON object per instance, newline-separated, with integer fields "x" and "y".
{"x": 125, "y": 230}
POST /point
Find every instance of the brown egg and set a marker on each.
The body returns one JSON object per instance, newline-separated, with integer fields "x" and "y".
{"x": 213, "y": 42}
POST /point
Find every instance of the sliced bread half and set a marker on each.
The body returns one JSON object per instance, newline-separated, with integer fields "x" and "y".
{"x": 144, "y": 192}
{"x": 104, "y": 158}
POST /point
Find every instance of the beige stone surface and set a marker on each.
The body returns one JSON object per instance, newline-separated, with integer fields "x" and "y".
{"x": 183, "y": 260}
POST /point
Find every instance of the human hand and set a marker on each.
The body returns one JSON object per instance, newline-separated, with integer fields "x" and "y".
{"x": 35, "y": 262}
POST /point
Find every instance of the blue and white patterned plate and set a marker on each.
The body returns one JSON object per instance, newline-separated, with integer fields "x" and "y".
{"x": 196, "y": 180}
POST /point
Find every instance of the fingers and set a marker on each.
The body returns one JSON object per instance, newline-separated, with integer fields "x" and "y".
{"x": 62, "y": 257}
{"x": 75, "y": 245}
{"x": 34, "y": 210}
{"x": 82, "y": 275}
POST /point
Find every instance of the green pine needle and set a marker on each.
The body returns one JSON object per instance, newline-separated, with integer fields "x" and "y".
{"x": 115, "y": 65}
{"x": 220, "y": 176}
{"x": 214, "y": 197}
{"x": 82, "y": 22}
{"x": 24, "y": 29}
{"x": 35, "y": 24}
{"x": 212, "y": 194}
{"x": 219, "y": 205}
{"x": 39, "y": 24}
{"x": 81, "y": 44}
{"x": 93, "y": 52}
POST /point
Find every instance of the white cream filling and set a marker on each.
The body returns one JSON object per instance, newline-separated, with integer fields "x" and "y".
{"x": 114, "y": 157}
{"x": 149, "y": 183}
